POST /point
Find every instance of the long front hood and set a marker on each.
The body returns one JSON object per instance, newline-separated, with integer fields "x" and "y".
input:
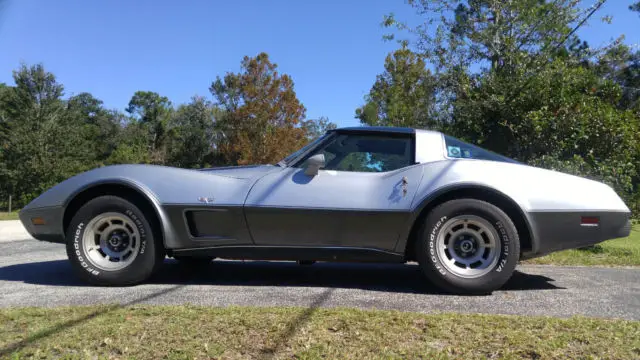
{"x": 167, "y": 185}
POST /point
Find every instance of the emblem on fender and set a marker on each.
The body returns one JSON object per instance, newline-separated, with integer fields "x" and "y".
{"x": 206, "y": 200}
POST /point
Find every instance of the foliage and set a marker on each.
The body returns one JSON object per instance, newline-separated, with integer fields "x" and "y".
{"x": 262, "y": 115}
{"x": 488, "y": 33}
{"x": 315, "y": 128}
{"x": 45, "y": 138}
{"x": 403, "y": 95}
{"x": 153, "y": 113}
{"x": 512, "y": 77}
{"x": 622, "y": 65}
{"x": 192, "y": 134}
{"x": 101, "y": 127}
{"x": 41, "y": 144}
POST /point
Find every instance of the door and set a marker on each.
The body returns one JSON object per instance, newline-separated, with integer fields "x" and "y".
{"x": 361, "y": 198}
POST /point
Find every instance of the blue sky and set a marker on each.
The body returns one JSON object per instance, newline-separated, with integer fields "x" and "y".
{"x": 333, "y": 49}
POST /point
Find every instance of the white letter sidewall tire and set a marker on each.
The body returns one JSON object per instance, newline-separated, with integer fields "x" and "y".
{"x": 146, "y": 256}
{"x": 443, "y": 240}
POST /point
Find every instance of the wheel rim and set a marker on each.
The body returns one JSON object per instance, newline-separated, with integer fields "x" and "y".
{"x": 111, "y": 241}
{"x": 468, "y": 246}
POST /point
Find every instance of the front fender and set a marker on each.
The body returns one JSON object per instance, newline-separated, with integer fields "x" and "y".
{"x": 160, "y": 186}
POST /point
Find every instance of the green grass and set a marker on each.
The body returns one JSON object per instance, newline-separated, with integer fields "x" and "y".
{"x": 8, "y": 215}
{"x": 618, "y": 252}
{"x": 181, "y": 332}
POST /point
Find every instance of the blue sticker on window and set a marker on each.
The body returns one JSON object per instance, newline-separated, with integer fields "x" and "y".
{"x": 453, "y": 151}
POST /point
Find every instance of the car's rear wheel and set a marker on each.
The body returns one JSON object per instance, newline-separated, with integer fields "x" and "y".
{"x": 468, "y": 246}
{"x": 110, "y": 241}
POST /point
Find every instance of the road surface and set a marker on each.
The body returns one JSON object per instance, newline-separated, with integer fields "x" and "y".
{"x": 34, "y": 273}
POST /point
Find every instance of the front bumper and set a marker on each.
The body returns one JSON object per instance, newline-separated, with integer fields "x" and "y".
{"x": 52, "y": 230}
{"x": 555, "y": 231}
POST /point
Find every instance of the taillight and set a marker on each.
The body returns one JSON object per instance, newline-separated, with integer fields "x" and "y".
{"x": 589, "y": 221}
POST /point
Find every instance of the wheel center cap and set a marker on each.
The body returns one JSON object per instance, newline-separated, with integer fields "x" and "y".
{"x": 466, "y": 245}
{"x": 115, "y": 240}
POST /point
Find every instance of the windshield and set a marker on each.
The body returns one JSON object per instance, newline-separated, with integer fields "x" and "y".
{"x": 459, "y": 149}
{"x": 302, "y": 150}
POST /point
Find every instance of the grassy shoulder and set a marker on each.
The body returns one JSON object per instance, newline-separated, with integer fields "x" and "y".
{"x": 8, "y": 215}
{"x": 618, "y": 252}
{"x": 178, "y": 332}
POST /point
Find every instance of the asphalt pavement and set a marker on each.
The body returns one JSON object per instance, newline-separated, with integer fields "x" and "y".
{"x": 34, "y": 273}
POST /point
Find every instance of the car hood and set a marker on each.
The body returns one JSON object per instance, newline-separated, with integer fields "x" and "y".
{"x": 241, "y": 172}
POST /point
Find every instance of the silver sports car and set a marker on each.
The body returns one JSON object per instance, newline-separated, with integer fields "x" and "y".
{"x": 465, "y": 214}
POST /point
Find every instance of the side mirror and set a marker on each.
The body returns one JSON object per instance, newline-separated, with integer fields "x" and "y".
{"x": 314, "y": 164}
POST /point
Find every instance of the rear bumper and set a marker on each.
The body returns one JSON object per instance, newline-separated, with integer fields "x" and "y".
{"x": 51, "y": 231}
{"x": 555, "y": 231}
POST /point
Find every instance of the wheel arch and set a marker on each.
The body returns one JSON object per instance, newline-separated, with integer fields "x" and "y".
{"x": 468, "y": 191}
{"x": 142, "y": 197}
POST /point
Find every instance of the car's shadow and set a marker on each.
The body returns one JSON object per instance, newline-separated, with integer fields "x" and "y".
{"x": 376, "y": 277}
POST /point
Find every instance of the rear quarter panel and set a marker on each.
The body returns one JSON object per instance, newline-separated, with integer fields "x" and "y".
{"x": 533, "y": 189}
{"x": 541, "y": 194}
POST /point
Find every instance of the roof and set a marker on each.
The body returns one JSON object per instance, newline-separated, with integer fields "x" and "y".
{"x": 383, "y": 129}
{"x": 379, "y": 129}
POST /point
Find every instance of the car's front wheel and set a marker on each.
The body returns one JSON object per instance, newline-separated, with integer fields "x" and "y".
{"x": 468, "y": 246}
{"x": 110, "y": 241}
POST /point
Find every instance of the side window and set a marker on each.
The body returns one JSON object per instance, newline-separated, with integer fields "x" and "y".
{"x": 367, "y": 153}
{"x": 457, "y": 148}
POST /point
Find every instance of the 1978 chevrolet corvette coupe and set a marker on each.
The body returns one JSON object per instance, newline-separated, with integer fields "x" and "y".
{"x": 465, "y": 214}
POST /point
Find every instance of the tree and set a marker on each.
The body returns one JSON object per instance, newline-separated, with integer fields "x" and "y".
{"x": 314, "y": 128}
{"x": 261, "y": 115}
{"x": 153, "y": 112}
{"x": 489, "y": 33}
{"x": 622, "y": 65}
{"x": 132, "y": 143}
{"x": 4, "y": 94}
{"x": 193, "y": 134}
{"x": 513, "y": 78}
{"x": 403, "y": 95}
{"x": 41, "y": 144}
{"x": 101, "y": 127}
{"x": 635, "y": 6}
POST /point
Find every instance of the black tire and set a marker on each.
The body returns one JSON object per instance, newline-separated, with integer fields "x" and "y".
{"x": 507, "y": 245}
{"x": 148, "y": 256}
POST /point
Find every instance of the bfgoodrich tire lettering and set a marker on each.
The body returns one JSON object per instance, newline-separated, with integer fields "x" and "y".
{"x": 138, "y": 256}
{"x": 468, "y": 246}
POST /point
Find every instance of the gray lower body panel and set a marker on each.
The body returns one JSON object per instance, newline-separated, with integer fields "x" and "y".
{"x": 52, "y": 230}
{"x": 374, "y": 229}
{"x": 207, "y": 226}
{"x": 555, "y": 231}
